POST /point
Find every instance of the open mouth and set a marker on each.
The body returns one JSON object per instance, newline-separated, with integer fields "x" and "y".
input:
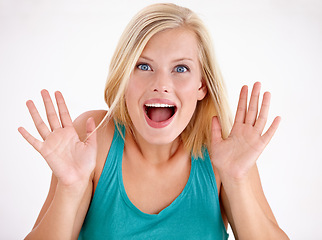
{"x": 159, "y": 112}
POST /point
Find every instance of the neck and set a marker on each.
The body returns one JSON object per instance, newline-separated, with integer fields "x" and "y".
{"x": 155, "y": 154}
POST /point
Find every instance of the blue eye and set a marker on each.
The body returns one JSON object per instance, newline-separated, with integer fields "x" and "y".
{"x": 181, "y": 69}
{"x": 144, "y": 67}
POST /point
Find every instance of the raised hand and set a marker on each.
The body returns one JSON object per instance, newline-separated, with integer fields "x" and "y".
{"x": 235, "y": 155}
{"x": 71, "y": 160}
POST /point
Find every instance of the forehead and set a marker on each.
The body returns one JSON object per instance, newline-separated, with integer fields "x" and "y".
{"x": 174, "y": 43}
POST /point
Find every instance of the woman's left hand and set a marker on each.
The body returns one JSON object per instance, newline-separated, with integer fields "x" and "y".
{"x": 237, "y": 154}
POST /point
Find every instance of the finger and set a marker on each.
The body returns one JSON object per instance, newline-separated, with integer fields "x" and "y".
{"x": 216, "y": 130}
{"x": 39, "y": 123}
{"x": 253, "y": 104}
{"x": 63, "y": 110}
{"x": 242, "y": 105}
{"x": 30, "y": 139}
{"x": 90, "y": 131}
{"x": 271, "y": 131}
{"x": 262, "y": 117}
{"x": 50, "y": 110}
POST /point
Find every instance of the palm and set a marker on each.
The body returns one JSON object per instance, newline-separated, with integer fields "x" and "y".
{"x": 239, "y": 152}
{"x": 67, "y": 155}
{"x": 69, "y": 158}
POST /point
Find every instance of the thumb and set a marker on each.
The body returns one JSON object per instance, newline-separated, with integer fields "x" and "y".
{"x": 90, "y": 131}
{"x": 215, "y": 131}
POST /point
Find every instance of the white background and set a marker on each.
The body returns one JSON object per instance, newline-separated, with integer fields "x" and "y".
{"x": 67, "y": 45}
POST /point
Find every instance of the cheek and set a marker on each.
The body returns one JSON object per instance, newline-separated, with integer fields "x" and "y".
{"x": 189, "y": 87}
{"x": 133, "y": 88}
{"x": 189, "y": 95}
{"x": 132, "y": 97}
{"x": 136, "y": 86}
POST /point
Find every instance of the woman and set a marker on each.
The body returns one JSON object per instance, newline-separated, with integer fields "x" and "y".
{"x": 164, "y": 161}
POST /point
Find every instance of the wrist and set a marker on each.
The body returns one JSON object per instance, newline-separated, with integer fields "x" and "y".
{"x": 234, "y": 183}
{"x": 74, "y": 182}
{"x": 74, "y": 189}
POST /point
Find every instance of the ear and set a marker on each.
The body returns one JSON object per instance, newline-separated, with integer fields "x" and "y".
{"x": 202, "y": 90}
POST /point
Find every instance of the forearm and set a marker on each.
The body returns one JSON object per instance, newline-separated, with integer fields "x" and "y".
{"x": 250, "y": 220}
{"x": 58, "y": 221}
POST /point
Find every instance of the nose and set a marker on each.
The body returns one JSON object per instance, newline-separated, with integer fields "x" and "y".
{"x": 162, "y": 82}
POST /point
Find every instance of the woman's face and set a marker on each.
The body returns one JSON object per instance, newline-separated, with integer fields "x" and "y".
{"x": 165, "y": 86}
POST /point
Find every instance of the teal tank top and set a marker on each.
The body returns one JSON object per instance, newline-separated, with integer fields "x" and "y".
{"x": 194, "y": 214}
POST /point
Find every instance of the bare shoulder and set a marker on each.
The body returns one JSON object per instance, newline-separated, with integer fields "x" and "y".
{"x": 105, "y": 135}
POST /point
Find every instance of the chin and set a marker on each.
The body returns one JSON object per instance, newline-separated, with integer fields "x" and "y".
{"x": 162, "y": 138}
{"x": 159, "y": 136}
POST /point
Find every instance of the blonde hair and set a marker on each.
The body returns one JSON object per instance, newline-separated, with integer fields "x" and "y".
{"x": 149, "y": 21}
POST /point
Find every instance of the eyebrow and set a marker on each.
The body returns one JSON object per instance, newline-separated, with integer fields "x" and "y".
{"x": 175, "y": 60}
{"x": 183, "y": 59}
{"x": 146, "y": 58}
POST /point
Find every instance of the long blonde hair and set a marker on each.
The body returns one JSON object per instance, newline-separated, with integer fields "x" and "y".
{"x": 149, "y": 21}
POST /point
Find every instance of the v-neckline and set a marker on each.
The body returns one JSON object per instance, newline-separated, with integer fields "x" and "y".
{"x": 167, "y": 209}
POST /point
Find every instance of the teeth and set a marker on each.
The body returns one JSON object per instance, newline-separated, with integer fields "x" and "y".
{"x": 158, "y": 105}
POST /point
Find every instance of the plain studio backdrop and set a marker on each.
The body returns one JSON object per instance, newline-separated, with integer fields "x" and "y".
{"x": 67, "y": 46}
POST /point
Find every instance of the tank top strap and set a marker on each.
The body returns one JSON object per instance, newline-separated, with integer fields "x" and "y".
{"x": 208, "y": 165}
{"x": 114, "y": 157}
{"x": 206, "y": 179}
{"x": 209, "y": 168}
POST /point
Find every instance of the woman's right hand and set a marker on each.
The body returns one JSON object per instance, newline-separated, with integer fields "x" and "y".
{"x": 71, "y": 160}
